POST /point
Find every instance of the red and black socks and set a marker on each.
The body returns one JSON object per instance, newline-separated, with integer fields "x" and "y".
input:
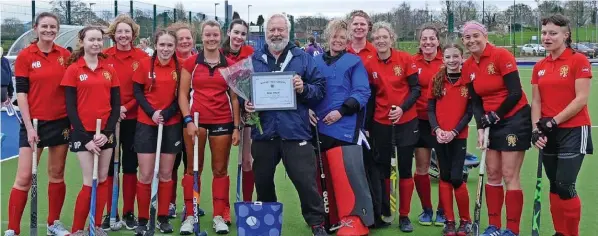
{"x": 445, "y": 190}
{"x": 220, "y": 194}
{"x": 462, "y": 196}
{"x": 144, "y": 195}
{"x": 164, "y": 197}
{"x": 406, "y": 187}
{"x": 56, "y": 194}
{"x": 494, "y": 201}
{"x": 424, "y": 189}
{"x": 572, "y": 213}
{"x": 81, "y": 208}
{"x": 514, "y": 202}
{"x": 187, "y": 183}
{"x": 129, "y": 190}
{"x": 248, "y": 183}
{"x": 16, "y": 206}
{"x": 101, "y": 198}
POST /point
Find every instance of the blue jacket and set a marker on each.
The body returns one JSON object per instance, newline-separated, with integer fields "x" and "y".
{"x": 291, "y": 124}
{"x": 7, "y": 75}
{"x": 348, "y": 91}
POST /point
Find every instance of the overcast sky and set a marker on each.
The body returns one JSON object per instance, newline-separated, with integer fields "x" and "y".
{"x": 329, "y": 8}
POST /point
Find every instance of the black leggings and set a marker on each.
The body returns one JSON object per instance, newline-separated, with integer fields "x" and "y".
{"x": 128, "y": 159}
{"x": 177, "y": 161}
{"x": 451, "y": 158}
{"x": 562, "y": 171}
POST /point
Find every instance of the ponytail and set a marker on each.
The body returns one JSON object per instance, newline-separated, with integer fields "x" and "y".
{"x": 178, "y": 74}
{"x": 153, "y": 77}
{"x": 437, "y": 82}
{"x": 568, "y": 41}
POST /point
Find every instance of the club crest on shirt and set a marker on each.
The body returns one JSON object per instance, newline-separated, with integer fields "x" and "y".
{"x": 398, "y": 70}
{"x": 464, "y": 91}
{"x": 512, "y": 140}
{"x": 107, "y": 75}
{"x": 491, "y": 69}
{"x": 174, "y": 75}
{"x": 65, "y": 133}
{"x": 135, "y": 65}
{"x": 61, "y": 60}
{"x": 564, "y": 71}
{"x": 541, "y": 73}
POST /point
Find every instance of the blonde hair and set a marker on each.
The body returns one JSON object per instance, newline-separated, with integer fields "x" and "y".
{"x": 212, "y": 23}
{"x": 123, "y": 18}
{"x": 384, "y": 25}
{"x": 334, "y": 26}
{"x": 360, "y": 13}
{"x": 179, "y": 25}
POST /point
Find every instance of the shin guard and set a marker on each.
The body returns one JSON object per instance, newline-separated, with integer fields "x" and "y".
{"x": 347, "y": 172}
{"x": 220, "y": 194}
{"x": 406, "y": 187}
{"x": 187, "y": 183}
{"x": 558, "y": 219}
{"x": 446, "y": 199}
{"x": 572, "y": 214}
{"x": 129, "y": 189}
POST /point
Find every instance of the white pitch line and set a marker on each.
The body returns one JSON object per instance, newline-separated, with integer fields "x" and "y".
{"x": 13, "y": 157}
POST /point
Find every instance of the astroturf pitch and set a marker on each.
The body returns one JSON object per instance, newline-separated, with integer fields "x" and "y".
{"x": 293, "y": 221}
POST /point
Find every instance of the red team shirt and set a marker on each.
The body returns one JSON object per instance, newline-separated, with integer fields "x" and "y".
{"x": 126, "y": 63}
{"x": 451, "y": 107}
{"x": 390, "y": 79}
{"x": 210, "y": 97}
{"x": 556, "y": 81}
{"x": 245, "y": 52}
{"x": 426, "y": 71}
{"x": 369, "y": 51}
{"x": 93, "y": 91}
{"x": 162, "y": 93}
{"x": 487, "y": 78}
{"x": 46, "y": 97}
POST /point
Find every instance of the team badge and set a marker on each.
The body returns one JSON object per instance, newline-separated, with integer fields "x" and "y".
{"x": 111, "y": 139}
{"x": 541, "y": 72}
{"x": 375, "y": 75}
{"x": 509, "y": 65}
{"x": 174, "y": 75}
{"x": 398, "y": 70}
{"x": 135, "y": 65}
{"x": 512, "y": 140}
{"x": 107, "y": 75}
{"x": 491, "y": 69}
{"x": 61, "y": 61}
{"x": 65, "y": 134}
{"x": 564, "y": 71}
{"x": 464, "y": 91}
{"x": 585, "y": 70}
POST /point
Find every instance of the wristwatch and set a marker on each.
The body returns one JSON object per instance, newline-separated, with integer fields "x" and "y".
{"x": 239, "y": 127}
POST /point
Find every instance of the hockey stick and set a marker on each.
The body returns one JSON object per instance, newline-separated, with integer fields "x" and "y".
{"x": 33, "y": 222}
{"x": 323, "y": 180}
{"x": 113, "y": 211}
{"x": 196, "y": 229}
{"x": 94, "y": 186}
{"x": 394, "y": 171}
{"x": 155, "y": 180}
{"x": 480, "y": 192}
{"x": 239, "y": 163}
{"x": 537, "y": 199}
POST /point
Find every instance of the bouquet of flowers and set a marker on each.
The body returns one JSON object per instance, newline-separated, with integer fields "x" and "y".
{"x": 238, "y": 78}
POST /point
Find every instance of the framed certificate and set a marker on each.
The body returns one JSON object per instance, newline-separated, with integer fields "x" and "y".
{"x": 273, "y": 91}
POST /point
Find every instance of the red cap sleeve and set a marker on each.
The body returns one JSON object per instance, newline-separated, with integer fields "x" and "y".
{"x": 140, "y": 74}
{"x": 70, "y": 76}
{"x": 22, "y": 64}
{"x": 506, "y": 62}
{"x": 583, "y": 68}
{"x": 189, "y": 64}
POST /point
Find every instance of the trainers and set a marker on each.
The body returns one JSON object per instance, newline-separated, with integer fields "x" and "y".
{"x": 425, "y": 218}
{"x": 449, "y": 229}
{"x": 491, "y": 231}
{"x": 379, "y": 224}
{"x": 10, "y": 232}
{"x": 352, "y": 226}
{"x": 172, "y": 211}
{"x": 79, "y": 233}
{"x": 508, "y": 232}
{"x": 440, "y": 218}
{"x": 100, "y": 232}
{"x": 220, "y": 225}
{"x": 471, "y": 160}
{"x": 405, "y": 224}
{"x": 106, "y": 223}
{"x": 188, "y": 226}
{"x": 164, "y": 225}
{"x": 318, "y": 230}
{"x": 130, "y": 221}
{"x": 464, "y": 228}
{"x": 57, "y": 229}
{"x": 200, "y": 212}
{"x": 141, "y": 227}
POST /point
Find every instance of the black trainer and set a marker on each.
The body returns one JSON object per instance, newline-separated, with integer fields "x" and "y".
{"x": 319, "y": 231}
{"x": 164, "y": 225}
{"x": 141, "y": 227}
{"x": 405, "y": 224}
{"x": 106, "y": 223}
{"x": 130, "y": 221}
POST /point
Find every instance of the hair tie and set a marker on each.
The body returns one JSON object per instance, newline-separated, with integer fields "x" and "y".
{"x": 473, "y": 25}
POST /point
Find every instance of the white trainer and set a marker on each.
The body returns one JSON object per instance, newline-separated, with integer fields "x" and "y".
{"x": 220, "y": 225}
{"x": 10, "y": 232}
{"x": 188, "y": 226}
{"x": 57, "y": 229}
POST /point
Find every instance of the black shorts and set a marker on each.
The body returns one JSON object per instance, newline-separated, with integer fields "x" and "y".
{"x": 77, "y": 145}
{"x": 513, "y": 133}
{"x": 219, "y": 129}
{"x": 51, "y": 133}
{"x": 406, "y": 134}
{"x": 576, "y": 140}
{"x": 146, "y": 138}
{"x": 426, "y": 139}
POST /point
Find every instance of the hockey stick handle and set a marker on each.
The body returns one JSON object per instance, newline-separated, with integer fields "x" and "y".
{"x": 196, "y": 143}
{"x": 484, "y": 147}
{"x": 33, "y": 227}
{"x": 34, "y": 159}
{"x": 94, "y": 185}
{"x": 115, "y": 184}
{"x": 95, "y": 156}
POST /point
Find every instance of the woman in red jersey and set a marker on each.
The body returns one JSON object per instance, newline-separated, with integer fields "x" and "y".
{"x": 500, "y": 105}
{"x": 562, "y": 129}
{"x": 155, "y": 86}
{"x": 394, "y": 76}
{"x": 184, "y": 50}
{"x": 234, "y": 49}
{"x": 219, "y": 121}
{"x": 449, "y": 111}
{"x": 39, "y": 68}
{"x": 360, "y": 27}
{"x": 125, "y": 59}
{"x": 428, "y": 60}
{"x": 92, "y": 92}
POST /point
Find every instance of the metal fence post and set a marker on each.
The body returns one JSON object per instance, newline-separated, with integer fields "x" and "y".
{"x": 131, "y": 8}
{"x": 155, "y": 20}
{"x": 68, "y": 12}
{"x": 115, "y": 8}
{"x": 32, "y": 13}
{"x": 174, "y": 14}
{"x": 190, "y": 20}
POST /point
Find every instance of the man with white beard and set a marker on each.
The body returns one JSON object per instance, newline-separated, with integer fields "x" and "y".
{"x": 287, "y": 134}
